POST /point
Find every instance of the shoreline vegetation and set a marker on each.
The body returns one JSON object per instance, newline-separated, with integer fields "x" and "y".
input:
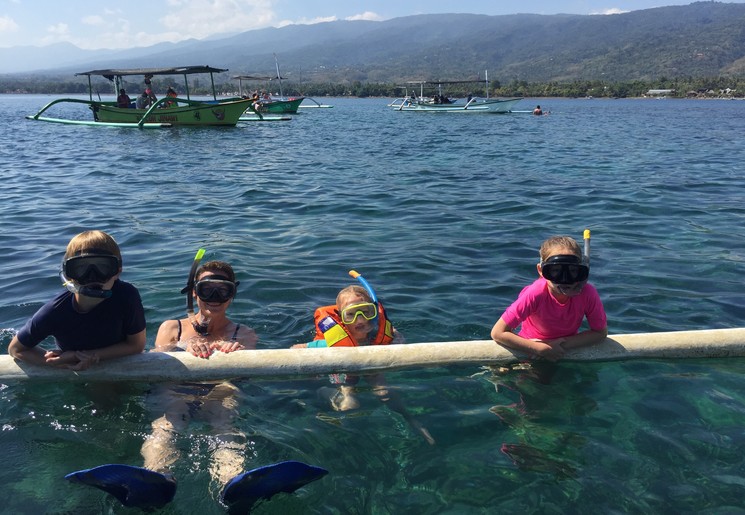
{"x": 716, "y": 87}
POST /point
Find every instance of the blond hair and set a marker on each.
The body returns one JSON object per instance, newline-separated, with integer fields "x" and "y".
{"x": 352, "y": 289}
{"x": 93, "y": 241}
{"x": 559, "y": 242}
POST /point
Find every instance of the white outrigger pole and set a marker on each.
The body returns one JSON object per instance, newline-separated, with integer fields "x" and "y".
{"x": 286, "y": 363}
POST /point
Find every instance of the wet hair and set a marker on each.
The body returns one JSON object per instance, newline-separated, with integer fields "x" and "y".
{"x": 353, "y": 289}
{"x": 559, "y": 242}
{"x": 217, "y": 268}
{"x": 93, "y": 240}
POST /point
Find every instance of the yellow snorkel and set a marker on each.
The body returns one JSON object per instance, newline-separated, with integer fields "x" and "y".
{"x": 199, "y": 327}
{"x": 586, "y": 237}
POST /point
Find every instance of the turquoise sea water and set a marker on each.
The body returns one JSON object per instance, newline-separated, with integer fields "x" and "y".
{"x": 443, "y": 214}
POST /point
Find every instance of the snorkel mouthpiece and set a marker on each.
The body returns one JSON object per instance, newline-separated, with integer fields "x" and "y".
{"x": 199, "y": 327}
{"x": 85, "y": 290}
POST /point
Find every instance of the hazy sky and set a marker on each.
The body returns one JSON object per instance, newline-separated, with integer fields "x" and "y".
{"x": 92, "y": 24}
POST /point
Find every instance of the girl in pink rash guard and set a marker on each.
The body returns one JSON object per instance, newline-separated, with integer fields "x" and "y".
{"x": 550, "y": 311}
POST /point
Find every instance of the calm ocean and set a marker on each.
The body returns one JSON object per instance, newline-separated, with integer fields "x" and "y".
{"x": 443, "y": 214}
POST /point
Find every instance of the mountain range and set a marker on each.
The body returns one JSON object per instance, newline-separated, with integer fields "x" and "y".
{"x": 703, "y": 39}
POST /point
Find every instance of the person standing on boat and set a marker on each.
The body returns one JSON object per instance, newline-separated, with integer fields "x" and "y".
{"x": 209, "y": 331}
{"x": 123, "y": 99}
{"x": 551, "y": 310}
{"x": 98, "y": 317}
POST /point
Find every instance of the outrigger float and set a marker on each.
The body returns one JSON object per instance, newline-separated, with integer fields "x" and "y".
{"x": 164, "y": 112}
{"x": 289, "y": 363}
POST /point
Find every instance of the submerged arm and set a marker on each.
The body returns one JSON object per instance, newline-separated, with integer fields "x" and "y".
{"x": 394, "y": 402}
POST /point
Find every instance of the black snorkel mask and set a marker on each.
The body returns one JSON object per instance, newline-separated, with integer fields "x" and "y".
{"x": 86, "y": 273}
{"x": 199, "y": 327}
{"x": 567, "y": 271}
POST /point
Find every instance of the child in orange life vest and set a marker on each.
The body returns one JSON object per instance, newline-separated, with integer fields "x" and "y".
{"x": 551, "y": 310}
{"x": 348, "y": 324}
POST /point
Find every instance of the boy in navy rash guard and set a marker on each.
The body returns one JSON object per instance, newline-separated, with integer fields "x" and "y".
{"x": 98, "y": 317}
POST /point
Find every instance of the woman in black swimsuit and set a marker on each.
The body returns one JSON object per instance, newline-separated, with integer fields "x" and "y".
{"x": 201, "y": 334}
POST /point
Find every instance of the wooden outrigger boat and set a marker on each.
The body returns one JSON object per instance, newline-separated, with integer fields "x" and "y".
{"x": 164, "y": 112}
{"x": 267, "y": 104}
{"x": 288, "y": 363}
{"x": 440, "y": 103}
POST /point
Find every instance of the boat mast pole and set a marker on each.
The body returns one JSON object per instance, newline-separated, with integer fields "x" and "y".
{"x": 186, "y": 86}
{"x": 486, "y": 79}
{"x": 279, "y": 77}
{"x": 212, "y": 79}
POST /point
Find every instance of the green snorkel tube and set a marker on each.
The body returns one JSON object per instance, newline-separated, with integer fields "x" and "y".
{"x": 199, "y": 327}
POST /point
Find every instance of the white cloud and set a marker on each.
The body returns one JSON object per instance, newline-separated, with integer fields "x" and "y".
{"x": 306, "y": 21}
{"x": 367, "y": 15}
{"x": 202, "y": 18}
{"x": 60, "y": 30}
{"x": 93, "y": 20}
{"x": 612, "y": 10}
{"x": 56, "y": 34}
{"x": 7, "y": 25}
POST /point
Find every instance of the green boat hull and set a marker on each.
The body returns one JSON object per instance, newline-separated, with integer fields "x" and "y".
{"x": 201, "y": 114}
{"x": 281, "y": 106}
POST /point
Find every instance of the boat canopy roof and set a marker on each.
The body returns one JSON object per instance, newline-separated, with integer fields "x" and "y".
{"x": 181, "y": 70}
{"x": 444, "y": 82}
{"x": 257, "y": 77}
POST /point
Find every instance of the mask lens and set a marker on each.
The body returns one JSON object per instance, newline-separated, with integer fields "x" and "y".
{"x": 368, "y": 310}
{"x": 576, "y": 273}
{"x": 552, "y": 273}
{"x": 564, "y": 269}
{"x": 211, "y": 290}
{"x": 91, "y": 268}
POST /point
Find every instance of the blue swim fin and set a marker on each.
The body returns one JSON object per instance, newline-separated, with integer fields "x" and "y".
{"x": 244, "y": 490}
{"x": 132, "y": 486}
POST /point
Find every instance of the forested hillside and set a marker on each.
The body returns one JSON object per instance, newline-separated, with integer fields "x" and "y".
{"x": 680, "y": 43}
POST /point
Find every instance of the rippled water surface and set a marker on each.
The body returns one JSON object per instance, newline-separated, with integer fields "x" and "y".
{"x": 443, "y": 213}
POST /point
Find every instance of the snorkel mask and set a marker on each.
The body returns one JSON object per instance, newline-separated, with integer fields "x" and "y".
{"x": 199, "y": 327}
{"x": 568, "y": 272}
{"x": 86, "y": 273}
{"x": 215, "y": 288}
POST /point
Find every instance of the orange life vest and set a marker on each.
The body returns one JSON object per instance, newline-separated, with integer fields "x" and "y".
{"x": 330, "y": 328}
